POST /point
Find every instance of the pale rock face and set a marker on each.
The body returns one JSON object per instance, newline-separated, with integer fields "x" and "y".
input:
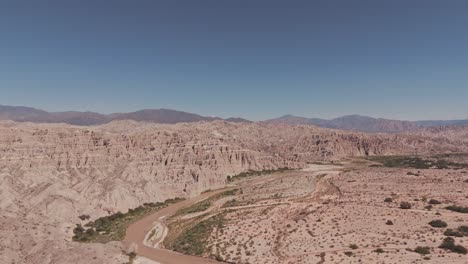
{"x": 52, "y": 173}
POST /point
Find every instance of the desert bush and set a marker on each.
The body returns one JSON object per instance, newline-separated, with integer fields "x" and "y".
{"x": 459, "y": 209}
{"x": 422, "y": 250}
{"x": 449, "y": 244}
{"x": 389, "y": 222}
{"x": 84, "y": 217}
{"x": 353, "y": 246}
{"x": 463, "y": 229}
{"x": 434, "y": 201}
{"x": 379, "y": 250}
{"x": 388, "y": 200}
{"x": 405, "y": 205}
{"x": 438, "y": 223}
{"x": 454, "y": 233}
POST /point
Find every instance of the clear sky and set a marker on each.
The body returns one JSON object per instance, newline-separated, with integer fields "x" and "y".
{"x": 404, "y": 59}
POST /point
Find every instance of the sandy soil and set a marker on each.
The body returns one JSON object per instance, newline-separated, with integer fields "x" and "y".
{"x": 344, "y": 209}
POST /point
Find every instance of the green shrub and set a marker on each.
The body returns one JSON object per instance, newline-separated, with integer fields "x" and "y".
{"x": 388, "y": 200}
{"x": 449, "y": 244}
{"x": 241, "y": 175}
{"x": 353, "y": 246}
{"x": 84, "y": 217}
{"x": 463, "y": 230}
{"x": 438, "y": 223}
{"x": 454, "y": 233}
{"x": 422, "y": 250}
{"x": 405, "y": 205}
{"x": 459, "y": 209}
{"x": 379, "y": 250}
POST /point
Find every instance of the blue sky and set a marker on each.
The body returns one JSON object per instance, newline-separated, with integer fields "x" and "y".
{"x": 255, "y": 59}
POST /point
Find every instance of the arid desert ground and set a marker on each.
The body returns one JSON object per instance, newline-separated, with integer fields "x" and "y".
{"x": 221, "y": 192}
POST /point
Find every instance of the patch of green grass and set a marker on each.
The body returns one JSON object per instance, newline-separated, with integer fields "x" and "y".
{"x": 113, "y": 227}
{"x": 231, "y": 203}
{"x": 416, "y": 162}
{"x": 194, "y": 240}
{"x": 198, "y": 207}
{"x": 254, "y": 173}
{"x": 205, "y": 204}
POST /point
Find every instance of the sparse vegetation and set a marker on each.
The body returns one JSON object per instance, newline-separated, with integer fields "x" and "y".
{"x": 205, "y": 204}
{"x": 438, "y": 223}
{"x": 405, "y": 205}
{"x": 388, "y": 200}
{"x": 198, "y": 207}
{"x": 422, "y": 250}
{"x": 353, "y": 246}
{"x": 254, "y": 173}
{"x": 84, "y": 217}
{"x": 231, "y": 203}
{"x": 460, "y": 232}
{"x": 449, "y": 244}
{"x": 379, "y": 250}
{"x": 193, "y": 241}
{"x": 454, "y": 233}
{"x": 112, "y": 227}
{"x": 459, "y": 209}
{"x": 434, "y": 201}
{"x": 416, "y": 162}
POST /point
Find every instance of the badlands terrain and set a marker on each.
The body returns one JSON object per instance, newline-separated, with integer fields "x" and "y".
{"x": 318, "y": 195}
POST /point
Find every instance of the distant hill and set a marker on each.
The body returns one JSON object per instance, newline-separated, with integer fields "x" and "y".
{"x": 165, "y": 116}
{"x": 365, "y": 123}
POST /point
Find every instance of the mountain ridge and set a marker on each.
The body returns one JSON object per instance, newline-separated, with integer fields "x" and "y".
{"x": 365, "y": 123}
{"x": 352, "y": 122}
{"x": 161, "y": 115}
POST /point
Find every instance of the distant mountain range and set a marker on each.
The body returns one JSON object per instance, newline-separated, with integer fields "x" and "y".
{"x": 365, "y": 123}
{"x": 167, "y": 116}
